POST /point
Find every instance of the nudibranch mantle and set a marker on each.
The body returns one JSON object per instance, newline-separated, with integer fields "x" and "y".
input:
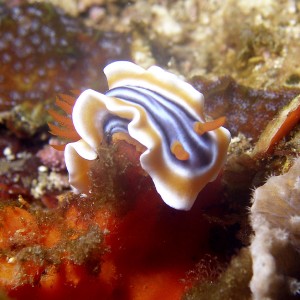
{"x": 159, "y": 111}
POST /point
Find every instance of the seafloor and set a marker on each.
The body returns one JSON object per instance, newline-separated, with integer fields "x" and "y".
{"x": 241, "y": 238}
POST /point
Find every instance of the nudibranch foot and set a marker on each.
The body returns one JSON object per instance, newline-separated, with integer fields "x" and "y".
{"x": 160, "y": 112}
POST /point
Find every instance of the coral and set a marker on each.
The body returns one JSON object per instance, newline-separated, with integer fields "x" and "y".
{"x": 17, "y": 171}
{"x": 47, "y": 181}
{"x": 51, "y": 158}
{"x": 86, "y": 246}
{"x": 22, "y": 172}
{"x": 74, "y": 7}
{"x": 33, "y": 240}
{"x": 27, "y": 118}
{"x": 275, "y": 248}
{"x": 242, "y": 105}
{"x": 204, "y": 37}
{"x": 279, "y": 127}
{"x": 43, "y": 51}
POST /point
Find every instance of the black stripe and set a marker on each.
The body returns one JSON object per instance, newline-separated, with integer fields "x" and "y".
{"x": 170, "y": 120}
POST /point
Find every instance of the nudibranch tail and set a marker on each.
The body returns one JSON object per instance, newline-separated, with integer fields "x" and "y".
{"x": 160, "y": 112}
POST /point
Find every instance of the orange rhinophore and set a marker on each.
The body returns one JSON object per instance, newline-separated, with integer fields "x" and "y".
{"x": 179, "y": 152}
{"x": 201, "y": 128}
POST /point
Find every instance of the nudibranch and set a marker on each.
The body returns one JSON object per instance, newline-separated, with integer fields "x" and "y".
{"x": 183, "y": 152}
